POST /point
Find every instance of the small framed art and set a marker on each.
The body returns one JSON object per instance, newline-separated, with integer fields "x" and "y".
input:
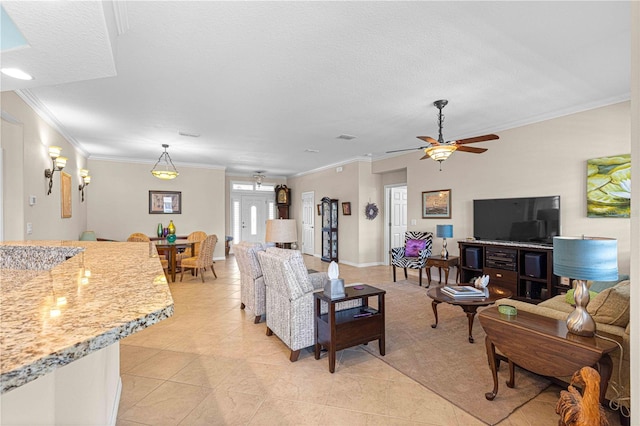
{"x": 436, "y": 204}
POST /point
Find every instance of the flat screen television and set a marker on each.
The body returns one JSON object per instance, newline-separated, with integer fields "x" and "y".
{"x": 533, "y": 220}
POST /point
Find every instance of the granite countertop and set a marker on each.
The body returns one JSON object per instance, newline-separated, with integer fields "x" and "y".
{"x": 62, "y": 300}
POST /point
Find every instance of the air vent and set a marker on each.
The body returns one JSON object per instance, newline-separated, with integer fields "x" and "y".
{"x": 314, "y": 151}
{"x": 189, "y": 135}
{"x": 346, "y": 137}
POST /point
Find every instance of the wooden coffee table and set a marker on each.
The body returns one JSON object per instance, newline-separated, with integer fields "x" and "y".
{"x": 469, "y": 305}
{"x": 543, "y": 346}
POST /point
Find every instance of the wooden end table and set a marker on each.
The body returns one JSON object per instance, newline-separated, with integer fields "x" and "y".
{"x": 543, "y": 346}
{"x": 442, "y": 263}
{"x": 469, "y": 305}
{"x": 337, "y": 330}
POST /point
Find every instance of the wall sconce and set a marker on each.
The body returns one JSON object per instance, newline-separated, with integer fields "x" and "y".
{"x": 57, "y": 162}
{"x": 86, "y": 180}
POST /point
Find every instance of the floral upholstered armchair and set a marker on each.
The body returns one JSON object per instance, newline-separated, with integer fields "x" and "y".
{"x": 252, "y": 290}
{"x": 290, "y": 288}
{"x": 414, "y": 254}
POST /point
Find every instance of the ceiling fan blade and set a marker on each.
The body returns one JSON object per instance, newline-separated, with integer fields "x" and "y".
{"x": 425, "y": 156}
{"x": 406, "y": 149}
{"x": 472, "y": 149}
{"x": 428, "y": 139}
{"x": 477, "y": 139}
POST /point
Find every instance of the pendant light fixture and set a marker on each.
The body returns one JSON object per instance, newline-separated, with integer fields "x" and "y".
{"x": 164, "y": 168}
{"x": 258, "y": 177}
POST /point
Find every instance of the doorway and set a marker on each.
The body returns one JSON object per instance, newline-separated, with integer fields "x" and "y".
{"x": 395, "y": 218}
{"x": 249, "y": 215}
{"x": 308, "y": 222}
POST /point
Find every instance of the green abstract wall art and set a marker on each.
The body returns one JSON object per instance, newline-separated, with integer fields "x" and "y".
{"x": 609, "y": 186}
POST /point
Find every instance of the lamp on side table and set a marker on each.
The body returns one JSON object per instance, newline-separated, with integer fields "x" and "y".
{"x": 584, "y": 258}
{"x": 281, "y": 231}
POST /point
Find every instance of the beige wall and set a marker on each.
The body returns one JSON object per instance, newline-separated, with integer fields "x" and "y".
{"x": 25, "y": 161}
{"x": 359, "y": 240}
{"x": 118, "y": 201}
{"x": 547, "y": 158}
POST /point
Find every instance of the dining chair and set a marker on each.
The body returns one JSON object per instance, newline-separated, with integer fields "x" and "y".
{"x": 138, "y": 237}
{"x": 196, "y": 237}
{"x": 203, "y": 260}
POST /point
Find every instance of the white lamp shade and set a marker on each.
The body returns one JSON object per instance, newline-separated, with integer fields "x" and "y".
{"x": 281, "y": 231}
{"x": 586, "y": 258}
{"x": 444, "y": 231}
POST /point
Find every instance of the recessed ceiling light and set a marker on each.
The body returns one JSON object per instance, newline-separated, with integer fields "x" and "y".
{"x": 346, "y": 137}
{"x": 16, "y": 73}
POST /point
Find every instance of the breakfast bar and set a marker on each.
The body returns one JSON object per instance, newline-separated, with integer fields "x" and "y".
{"x": 64, "y": 306}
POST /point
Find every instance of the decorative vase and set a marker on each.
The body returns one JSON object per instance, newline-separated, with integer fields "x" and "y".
{"x": 160, "y": 230}
{"x": 165, "y": 232}
{"x": 171, "y": 238}
{"x": 172, "y": 228}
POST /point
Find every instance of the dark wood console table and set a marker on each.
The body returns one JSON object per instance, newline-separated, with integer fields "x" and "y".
{"x": 337, "y": 330}
{"x": 543, "y": 346}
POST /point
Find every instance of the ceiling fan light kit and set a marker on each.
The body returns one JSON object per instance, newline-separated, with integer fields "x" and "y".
{"x": 439, "y": 150}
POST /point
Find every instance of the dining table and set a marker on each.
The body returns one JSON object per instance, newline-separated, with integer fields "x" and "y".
{"x": 171, "y": 249}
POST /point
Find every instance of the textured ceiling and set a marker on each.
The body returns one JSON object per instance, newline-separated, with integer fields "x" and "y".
{"x": 261, "y": 82}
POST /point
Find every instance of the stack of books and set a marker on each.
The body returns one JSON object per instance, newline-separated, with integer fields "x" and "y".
{"x": 462, "y": 291}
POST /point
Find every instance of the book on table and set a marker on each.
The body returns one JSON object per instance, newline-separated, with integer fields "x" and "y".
{"x": 462, "y": 291}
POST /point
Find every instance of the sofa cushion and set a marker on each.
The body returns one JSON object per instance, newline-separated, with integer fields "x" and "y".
{"x": 611, "y": 306}
{"x": 570, "y": 298}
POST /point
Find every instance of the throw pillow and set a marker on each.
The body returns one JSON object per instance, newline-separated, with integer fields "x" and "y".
{"x": 611, "y": 306}
{"x": 599, "y": 286}
{"x": 414, "y": 247}
{"x": 570, "y": 298}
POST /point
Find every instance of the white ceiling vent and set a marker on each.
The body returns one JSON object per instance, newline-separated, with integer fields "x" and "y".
{"x": 189, "y": 135}
{"x": 346, "y": 137}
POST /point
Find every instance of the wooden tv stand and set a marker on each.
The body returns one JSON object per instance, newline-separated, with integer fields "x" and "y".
{"x": 505, "y": 264}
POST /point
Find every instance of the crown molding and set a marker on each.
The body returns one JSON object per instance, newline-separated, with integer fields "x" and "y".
{"x": 43, "y": 112}
{"x": 331, "y": 166}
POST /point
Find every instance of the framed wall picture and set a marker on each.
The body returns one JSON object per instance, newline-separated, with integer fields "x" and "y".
{"x": 65, "y": 194}
{"x": 165, "y": 202}
{"x": 609, "y": 186}
{"x": 319, "y": 207}
{"x": 436, "y": 204}
{"x": 346, "y": 208}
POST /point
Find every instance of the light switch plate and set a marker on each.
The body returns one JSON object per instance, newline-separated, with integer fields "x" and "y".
{"x": 32, "y": 200}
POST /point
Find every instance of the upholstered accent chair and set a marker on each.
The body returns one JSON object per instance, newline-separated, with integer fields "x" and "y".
{"x": 252, "y": 289}
{"x": 290, "y": 302}
{"x": 196, "y": 237}
{"x": 414, "y": 254}
{"x": 203, "y": 260}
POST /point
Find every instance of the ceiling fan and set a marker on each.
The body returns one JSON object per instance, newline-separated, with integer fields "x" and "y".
{"x": 439, "y": 150}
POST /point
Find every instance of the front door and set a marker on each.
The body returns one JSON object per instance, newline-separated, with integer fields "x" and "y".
{"x": 308, "y": 219}
{"x": 253, "y": 218}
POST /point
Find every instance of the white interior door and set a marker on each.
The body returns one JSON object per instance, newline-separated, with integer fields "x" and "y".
{"x": 253, "y": 218}
{"x": 308, "y": 222}
{"x": 397, "y": 218}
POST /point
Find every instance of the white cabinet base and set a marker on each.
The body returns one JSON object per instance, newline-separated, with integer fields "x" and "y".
{"x": 85, "y": 392}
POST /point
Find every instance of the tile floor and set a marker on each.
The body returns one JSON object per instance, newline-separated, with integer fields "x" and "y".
{"x": 210, "y": 364}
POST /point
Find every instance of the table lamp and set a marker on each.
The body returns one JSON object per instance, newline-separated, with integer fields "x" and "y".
{"x": 281, "y": 231}
{"x": 444, "y": 232}
{"x": 584, "y": 258}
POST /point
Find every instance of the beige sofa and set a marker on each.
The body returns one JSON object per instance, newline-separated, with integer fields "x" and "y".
{"x": 610, "y": 309}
